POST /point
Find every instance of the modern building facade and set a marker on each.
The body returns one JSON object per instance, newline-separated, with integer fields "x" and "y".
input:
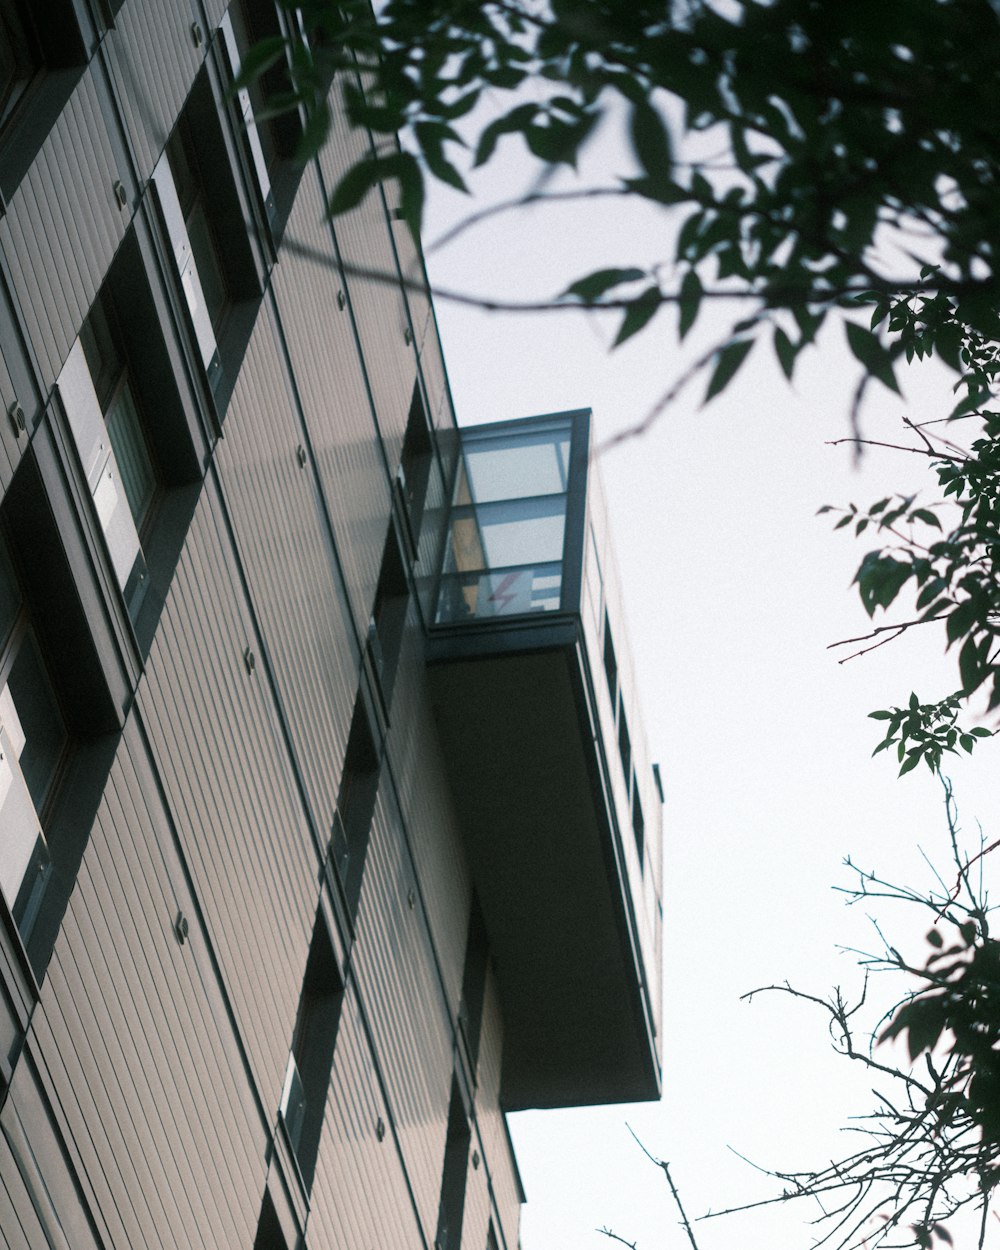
{"x": 328, "y": 833}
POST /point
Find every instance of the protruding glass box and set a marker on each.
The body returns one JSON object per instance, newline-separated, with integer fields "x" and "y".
{"x": 560, "y": 806}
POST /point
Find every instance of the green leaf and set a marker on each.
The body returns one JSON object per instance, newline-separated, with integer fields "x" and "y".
{"x": 935, "y": 939}
{"x": 432, "y": 136}
{"x": 970, "y": 665}
{"x": 518, "y": 119}
{"x": 639, "y": 313}
{"x": 651, "y": 142}
{"x": 601, "y": 280}
{"x": 727, "y": 362}
{"x": 880, "y": 579}
{"x": 880, "y": 715}
{"x": 961, "y": 620}
{"x": 925, "y": 515}
{"x": 690, "y": 300}
{"x": 259, "y": 60}
{"x": 872, "y": 354}
{"x": 911, "y": 761}
{"x": 360, "y": 179}
{"x": 786, "y": 351}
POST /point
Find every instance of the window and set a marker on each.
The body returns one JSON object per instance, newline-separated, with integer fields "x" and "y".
{"x": 59, "y": 718}
{"x": 205, "y": 221}
{"x": 41, "y": 57}
{"x": 135, "y": 444}
{"x": 638, "y": 824}
{"x": 20, "y": 57}
{"x": 413, "y": 474}
{"x": 355, "y": 805}
{"x": 624, "y": 743}
{"x": 33, "y": 746}
{"x": 388, "y": 619}
{"x": 271, "y": 140}
{"x": 610, "y": 662}
{"x": 307, "y": 1077}
{"x": 456, "y": 1163}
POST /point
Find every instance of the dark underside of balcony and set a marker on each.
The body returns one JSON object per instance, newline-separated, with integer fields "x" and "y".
{"x": 511, "y": 704}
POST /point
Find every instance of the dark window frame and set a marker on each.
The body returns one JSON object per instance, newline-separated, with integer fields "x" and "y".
{"x": 310, "y": 1059}
{"x": 58, "y": 52}
{"x": 201, "y": 145}
{"x": 128, "y": 314}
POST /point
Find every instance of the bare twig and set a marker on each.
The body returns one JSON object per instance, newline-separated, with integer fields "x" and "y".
{"x": 662, "y": 1163}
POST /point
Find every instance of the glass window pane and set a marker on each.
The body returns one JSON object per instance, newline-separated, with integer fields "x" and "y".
{"x": 45, "y": 735}
{"x": 131, "y": 452}
{"x": 523, "y": 531}
{"x": 511, "y": 468}
{"x": 213, "y": 284}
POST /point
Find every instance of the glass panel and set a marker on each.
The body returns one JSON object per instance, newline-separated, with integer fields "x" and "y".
{"x": 517, "y": 531}
{"x": 131, "y": 452}
{"x": 500, "y": 592}
{"x": 213, "y": 285}
{"x": 514, "y": 467}
{"x": 45, "y": 735}
{"x": 293, "y": 1104}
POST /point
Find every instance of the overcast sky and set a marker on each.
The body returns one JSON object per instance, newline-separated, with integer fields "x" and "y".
{"x": 733, "y": 590}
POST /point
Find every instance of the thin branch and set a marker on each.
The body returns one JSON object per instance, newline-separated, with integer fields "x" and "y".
{"x": 662, "y": 1163}
{"x": 614, "y": 1237}
{"x": 917, "y": 451}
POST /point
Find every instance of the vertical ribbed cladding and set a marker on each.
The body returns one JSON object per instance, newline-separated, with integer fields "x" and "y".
{"x": 220, "y": 752}
{"x": 405, "y": 1006}
{"x": 153, "y": 62}
{"x": 425, "y": 797}
{"x": 142, "y": 1067}
{"x": 19, "y": 1225}
{"x": 63, "y": 225}
{"x": 11, "y": 446}
{"x": 476, "y": 1213}
{"x": 377, "y": 301}
{"x": 334, "y": 397}
{"x": 506, "y": 1185}
{"x": 360, "y": 1198}
{"x": 290, "y": 565}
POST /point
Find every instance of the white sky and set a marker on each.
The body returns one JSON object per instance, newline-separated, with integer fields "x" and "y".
{"x": 734, "y": 588}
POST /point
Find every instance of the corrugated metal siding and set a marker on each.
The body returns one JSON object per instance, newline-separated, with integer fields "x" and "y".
{"x": 135, "y": 1043}
{"x": 62, "y": 227}
{"x": 435, "y": 380}
{"x": 19, "y": 1226}
{"x": 490, "y": 1118}
{"x": 425, "y": 798}
{"x": 359, "y": 1197}
{"x": 289, "y": 560}
{"x": 11, "y": 447}
{"x": 153, "y": 61}
{"x": 378, "y": 306}
{"x": 335, "y": 399}
{"x": 219, "y": 749}
{"x": 409, "y": 1018}
{"x": 476, "y": 1215}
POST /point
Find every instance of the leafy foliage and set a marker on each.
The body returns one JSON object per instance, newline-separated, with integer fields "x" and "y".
{"x": 931, "y": 1147}
{"x": 945, "y": 552}
{"x": 843, "y": 126}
